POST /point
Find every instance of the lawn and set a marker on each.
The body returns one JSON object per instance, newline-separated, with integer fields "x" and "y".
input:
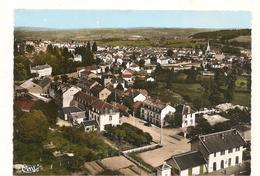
{"x": 242, "y": 98}
{"x": 241, "y": 83}
{"x": 192, "y": 91}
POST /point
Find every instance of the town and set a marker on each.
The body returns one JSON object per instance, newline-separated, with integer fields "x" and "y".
{"x": 125, "y": 108}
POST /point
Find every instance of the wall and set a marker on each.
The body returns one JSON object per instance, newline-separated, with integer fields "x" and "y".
{"x": 190, "y": 119}
{"x": 104, "y": 120}
{"x": 68, "y": 96}
{"x": 166, "y": 172}
{"x": 104, "y": 94}
{"x": 225, "y": 157}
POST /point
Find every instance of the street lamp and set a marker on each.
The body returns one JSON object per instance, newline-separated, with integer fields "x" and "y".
{"x": 161, "y": 133}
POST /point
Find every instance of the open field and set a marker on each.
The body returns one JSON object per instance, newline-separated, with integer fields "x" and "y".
{"x": 246, "y": 38}
{"x": 100, "y": 34}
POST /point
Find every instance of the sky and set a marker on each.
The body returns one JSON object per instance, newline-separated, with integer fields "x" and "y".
{"x": 79, "y": 19}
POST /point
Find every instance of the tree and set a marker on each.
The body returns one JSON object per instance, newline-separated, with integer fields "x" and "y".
{"x": 249, "y": 83}
{"x": 169, "y": 52}
{"x": 174, "y": 120}
{"x": 88, "y": 46}
{"x": 120, "y": 87}
{"x": 32, "y": 126}
{"x": 219, "y": 78}
{"x": 29, "y": 48}
{"x": 64, "y": 78}
{"x": 215, "y": 97}
{"x": 127, "y": 101}
{"x": 229, "y": 93}
{"x": 133, "y": 57}
{"x": 141, "y": 63}
{"x": 20, "y": 72}
{"x": 56, "y": 78}
{"x": 94, "y": 47}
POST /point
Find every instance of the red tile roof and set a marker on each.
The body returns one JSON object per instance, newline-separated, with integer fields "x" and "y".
{"x": 24, "y": 104}
{"x": 93, "y": 101}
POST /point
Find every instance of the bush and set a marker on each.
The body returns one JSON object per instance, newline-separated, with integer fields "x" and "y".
{"x": 128, "y": 133}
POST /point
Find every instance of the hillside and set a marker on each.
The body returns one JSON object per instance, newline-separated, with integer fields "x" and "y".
{"x": 222, "y": 34}
{"x": 25, "y": 33}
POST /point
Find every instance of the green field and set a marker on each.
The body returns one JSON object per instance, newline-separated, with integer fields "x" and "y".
{"x": 103, "y": 33}
{"x": 193, "y": 91}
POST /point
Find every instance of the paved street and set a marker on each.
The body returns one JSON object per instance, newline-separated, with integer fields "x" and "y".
{"x": 170, "y": 145}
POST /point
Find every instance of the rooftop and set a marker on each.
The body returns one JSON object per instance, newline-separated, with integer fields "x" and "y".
{"x": 40, "y": 67}
{"x": 220, "y": 141}
{"x": 187, "y": 160}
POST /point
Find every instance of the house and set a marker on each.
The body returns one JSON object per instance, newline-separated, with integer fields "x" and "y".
{"x": 150, "y": 79}
{"x": 100, "y": 92}
{"x": 32, "y": 87}
{"x": 134, "y": 67}
{"x": 127, "y": 75}
{"x": 90, "y": 125}
{"x": 41, "y": 70}
{"x": 221, "y": 150}
{"x": 188, "y": 118}
{"x": 163, "y": 61}
{"x": 87, "y": 74}
{"x": 139, "y": 97}
{"x": 209, "y": 153}
{"x": 20, "y": 92}
{"x": 164, "y": 170}
{"x": 44, "y": 84}
{"x": 67, "y": 96}
{"x": 184, "y": 164}
{"x": 154, "y": 111}
{"x": 63, "y": 93}
{"x": 86, "y": 84}
{"x": 25, "y": 104}
{"x": 73, "y": 114}
{"x": 98, "y": 110}
{"x": 77, "y": 58}
{"x": 117, "y": 81}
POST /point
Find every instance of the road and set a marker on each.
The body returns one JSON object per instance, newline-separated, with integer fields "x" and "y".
{"x": 169, "y": 147}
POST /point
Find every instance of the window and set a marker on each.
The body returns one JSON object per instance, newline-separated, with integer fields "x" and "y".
{"x": 230, "y": 150}
{"x": 237, "y": 159}
{"x": 229, "y": 162}
{"x": 110, "y": 118}
{"x": 215, "y": 154}
{"x": 201, "y": 169}
{"x": 222, "y": 164}
{"x": 214, "y": 166}
{"x": 190, "y": 171}
{"x": 222, "y": 152}
{"x": 237, "y": 149}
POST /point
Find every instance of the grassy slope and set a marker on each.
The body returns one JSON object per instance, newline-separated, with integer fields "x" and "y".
{"x": 98, "y": 34}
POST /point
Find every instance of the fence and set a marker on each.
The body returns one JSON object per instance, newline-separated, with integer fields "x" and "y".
{"x": 139, "y": 149}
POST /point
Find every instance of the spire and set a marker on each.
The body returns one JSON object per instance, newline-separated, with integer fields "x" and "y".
{"x": 208, "y": 47}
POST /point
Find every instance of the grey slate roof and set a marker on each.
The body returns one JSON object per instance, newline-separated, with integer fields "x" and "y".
{"x": 71, "y": 109}
{"x": 187, "y": 160}
{"x": 44, "y": 82}
{"x": 220, "y": 141}
{"x": 90, "y": 123}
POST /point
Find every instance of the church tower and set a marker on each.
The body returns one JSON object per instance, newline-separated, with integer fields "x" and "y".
{"x": 208, "y": 47}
